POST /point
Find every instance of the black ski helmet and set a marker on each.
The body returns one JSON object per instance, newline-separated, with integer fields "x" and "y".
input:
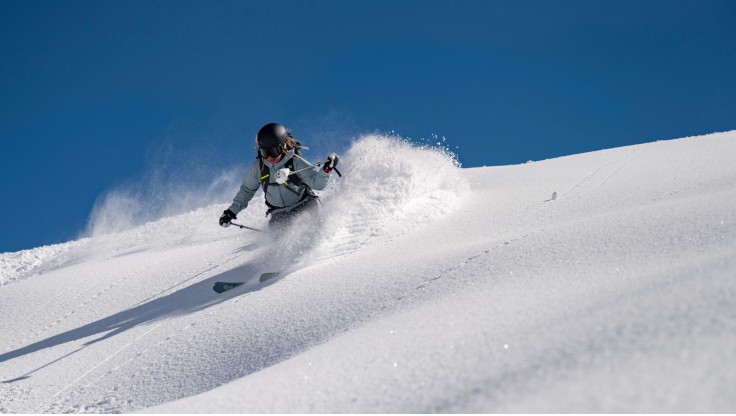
{"x": 272, "y": 135}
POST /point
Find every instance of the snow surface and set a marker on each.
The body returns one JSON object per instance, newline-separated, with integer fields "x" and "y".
{"x": 421, "y": 287}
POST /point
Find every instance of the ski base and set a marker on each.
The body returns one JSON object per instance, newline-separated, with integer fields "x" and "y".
{"x": 266, "y": 276}
{"x": 220, "y": 287}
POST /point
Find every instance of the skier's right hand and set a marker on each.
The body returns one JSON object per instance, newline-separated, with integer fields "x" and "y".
{"x": 226, "y": 217}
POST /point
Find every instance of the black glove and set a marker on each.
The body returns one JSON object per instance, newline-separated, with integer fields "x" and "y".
{"x": 330, "y": 163}
{"x": 226, "y": 217}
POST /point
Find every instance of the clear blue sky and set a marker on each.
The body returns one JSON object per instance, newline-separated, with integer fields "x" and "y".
{"x": 88, "y": 88}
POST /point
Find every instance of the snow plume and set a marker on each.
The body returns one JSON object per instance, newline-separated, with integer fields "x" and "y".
{"x": 389, "y": 187}
{"x": 174, "y": 183}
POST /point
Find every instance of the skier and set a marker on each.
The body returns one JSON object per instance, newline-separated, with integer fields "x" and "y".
{"x": 287, "y": 178}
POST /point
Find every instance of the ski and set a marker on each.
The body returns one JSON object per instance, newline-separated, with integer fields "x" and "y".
{"x": 266, "y": 276}
{"x": 220, "y": 287}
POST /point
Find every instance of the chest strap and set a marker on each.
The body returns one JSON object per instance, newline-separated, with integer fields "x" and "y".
{"x": 293, "y": 180}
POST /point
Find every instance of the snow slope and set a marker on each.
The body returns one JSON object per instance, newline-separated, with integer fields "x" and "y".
{"x": 421, "y": 288}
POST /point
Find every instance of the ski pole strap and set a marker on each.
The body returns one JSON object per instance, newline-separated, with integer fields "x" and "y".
{"x": 244, "y": 227}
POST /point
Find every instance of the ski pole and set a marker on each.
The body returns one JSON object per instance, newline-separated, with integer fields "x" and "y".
{"x": 316, "y": 165}
{"x": 282, "y": 175}
{"x": 245, "y": 226}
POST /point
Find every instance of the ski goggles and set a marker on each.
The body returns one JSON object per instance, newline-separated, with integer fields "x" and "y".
{"x": 271, "y": 152}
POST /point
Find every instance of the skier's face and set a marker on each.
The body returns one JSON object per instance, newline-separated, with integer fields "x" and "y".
{"x": 276, "y": 159}
{"x": 272, "y": 154}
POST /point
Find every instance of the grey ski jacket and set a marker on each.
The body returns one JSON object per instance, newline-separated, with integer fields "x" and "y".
{"x": 277, "y": 195}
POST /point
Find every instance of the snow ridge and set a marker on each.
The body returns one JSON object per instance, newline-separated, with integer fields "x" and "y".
{"x": 25, "y": 263}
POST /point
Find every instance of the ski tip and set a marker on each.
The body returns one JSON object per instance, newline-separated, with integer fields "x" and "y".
{"x": 267, "y": 276}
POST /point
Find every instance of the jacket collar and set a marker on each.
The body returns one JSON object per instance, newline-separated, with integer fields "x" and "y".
{"x": 280, "y": 164}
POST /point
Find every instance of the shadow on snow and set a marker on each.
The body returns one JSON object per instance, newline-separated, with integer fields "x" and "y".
{"x": 190, "y": 299}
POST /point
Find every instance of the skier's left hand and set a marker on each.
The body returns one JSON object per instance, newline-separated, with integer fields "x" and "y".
{"x": 330, "y": 163}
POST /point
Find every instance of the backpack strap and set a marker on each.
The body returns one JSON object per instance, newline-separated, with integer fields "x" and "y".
{"x": 293, "y": 179}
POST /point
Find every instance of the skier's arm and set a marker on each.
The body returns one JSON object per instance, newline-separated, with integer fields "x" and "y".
{"x": 249, "y": 186}
{"x": 314, "y": 177}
